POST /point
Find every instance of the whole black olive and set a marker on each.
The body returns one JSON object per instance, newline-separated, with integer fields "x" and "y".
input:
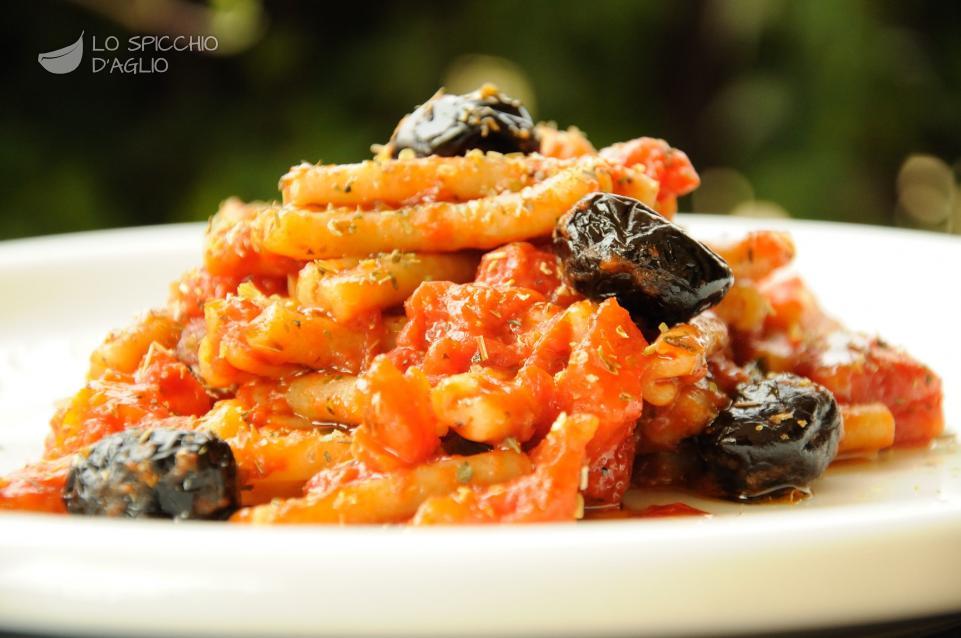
{"x": 778, "y": 435}
{"x": 451, "y": 125}
{"x": 615, "y": 246}
{"x": 156, "y": 473}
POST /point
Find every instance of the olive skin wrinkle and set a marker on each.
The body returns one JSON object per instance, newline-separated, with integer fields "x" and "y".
{"x": 449, "y": 125}
{"x": 158, "y": 473}
{"x": 615, "y": 246}
{"x": 777, "y": 435}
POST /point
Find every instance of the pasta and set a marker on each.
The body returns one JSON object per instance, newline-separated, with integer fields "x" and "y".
{"x": 347, "y": 288}
{"x": 396, "y": 183}
{"x": 480, "y": 223}
{"x": 272, "y": 463}
{"x": 393, "y": 498}
{"x": 868, "y": 427}
{"x": 402, "y": 340}
{"x": 123, "y": 350}
{"x": 260, "y": 336}
{"x": 325, "y": 397}
{"x": 549, "y": 493}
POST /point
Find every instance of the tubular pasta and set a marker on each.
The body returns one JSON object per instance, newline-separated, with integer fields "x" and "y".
{"x": 347, "y": 288}
{"x": 868, "y": 428}
{"x": 123, "y": 350}
{"x": 549, "y": 493}
{"x": 327, "y": 397}
{"x": 272, "y": 337}
{"x": 480, "y": 223}
{"x": 392, "y": 498}
{"x": 400, "y": 181}
{"x": 274, "y": 463}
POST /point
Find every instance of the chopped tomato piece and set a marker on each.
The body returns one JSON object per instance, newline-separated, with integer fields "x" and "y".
{"x": 400, "y": 429}
{"x": 670, "y": 167}
{"x": 605, "y": 373}
{"x": 859, "y": 369}
{"x": 189, "y": 293}
{"x": 37, "y": 487}
{"x": 525, "y": 266}
{"x": 175, "y": 384}
{"x": 457, "y": 325}
{"x": 609, "y": 472}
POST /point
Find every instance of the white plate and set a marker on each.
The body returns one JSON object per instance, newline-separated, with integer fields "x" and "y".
{"x": 879, "y": 541}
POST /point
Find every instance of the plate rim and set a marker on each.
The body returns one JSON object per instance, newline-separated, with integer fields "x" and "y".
{"x": 874, "y": 525}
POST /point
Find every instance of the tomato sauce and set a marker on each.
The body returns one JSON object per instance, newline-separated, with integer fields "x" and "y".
{"x": 668, "y": 510}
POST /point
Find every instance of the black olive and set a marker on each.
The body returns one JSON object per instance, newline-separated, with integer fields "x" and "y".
{"x": 156, "y": 473}
{"x": 451, "y": 125}
{"x": 615, "y": 246}
{"x": 778, "y": 435}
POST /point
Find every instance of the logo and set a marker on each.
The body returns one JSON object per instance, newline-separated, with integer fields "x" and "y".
{"x": 126, "y": 55}
{"x": 64, "y": 60}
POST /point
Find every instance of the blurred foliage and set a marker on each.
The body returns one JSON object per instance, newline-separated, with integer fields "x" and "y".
{"x": 810, "y": 108}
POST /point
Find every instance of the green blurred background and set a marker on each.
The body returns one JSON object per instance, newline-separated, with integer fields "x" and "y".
{"x": 831, "y": 109}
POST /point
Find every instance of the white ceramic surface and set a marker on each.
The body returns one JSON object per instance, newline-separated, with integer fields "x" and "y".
{"x": 879, "y": 541}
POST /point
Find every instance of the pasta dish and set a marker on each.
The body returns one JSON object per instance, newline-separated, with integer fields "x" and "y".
{"x": 490, "y": 321}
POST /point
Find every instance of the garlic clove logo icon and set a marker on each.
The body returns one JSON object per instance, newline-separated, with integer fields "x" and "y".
{"x": 63, "y": 60}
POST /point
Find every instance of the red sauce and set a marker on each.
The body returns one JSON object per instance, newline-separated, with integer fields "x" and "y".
{"x": 651, "y": 511}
